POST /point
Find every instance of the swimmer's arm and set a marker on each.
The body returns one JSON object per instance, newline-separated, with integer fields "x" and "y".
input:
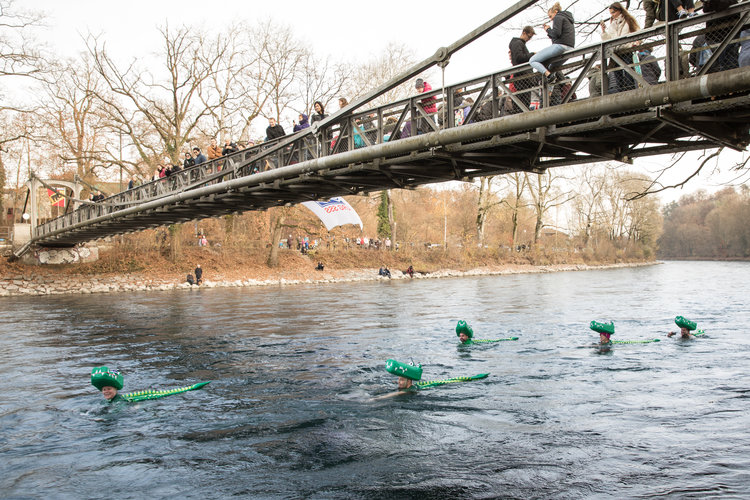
{"x": 389, "y": 395}
{"x": 671, "y": 334}
{"x": 386, "y": 396}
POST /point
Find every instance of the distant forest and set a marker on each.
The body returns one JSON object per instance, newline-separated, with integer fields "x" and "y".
{"x": 708, "y": 226}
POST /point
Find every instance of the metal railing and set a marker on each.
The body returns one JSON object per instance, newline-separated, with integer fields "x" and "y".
{"x": 648, "y": 57}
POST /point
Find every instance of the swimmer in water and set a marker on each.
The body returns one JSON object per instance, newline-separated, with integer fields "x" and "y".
{"x": 404, "y": 384}
{"x": 108, "y": 382}
{"x": 605, "y": 331}
{"x": 686, "y": 326}
{"x": 464, "y": 332}
{"x": 110, "y": 393}
{"x": 406, "y": 374}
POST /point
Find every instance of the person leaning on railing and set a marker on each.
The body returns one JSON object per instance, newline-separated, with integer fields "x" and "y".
{"x": 189, "y": 161}
{"x": 320, "y": 112}
{"x": 563, "y": 36}
{"x": 429, "y": 104}
{"x": 519, "y": 54}
{"x": 621, "y": 23}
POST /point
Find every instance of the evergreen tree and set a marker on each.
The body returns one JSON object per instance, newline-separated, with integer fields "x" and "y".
{"x": 384, "y": 227}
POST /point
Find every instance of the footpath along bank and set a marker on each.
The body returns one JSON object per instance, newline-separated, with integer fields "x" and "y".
{"x": 41, "y": 283}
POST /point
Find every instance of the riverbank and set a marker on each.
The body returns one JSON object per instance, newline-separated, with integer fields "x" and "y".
{"x": 44, "y": 282}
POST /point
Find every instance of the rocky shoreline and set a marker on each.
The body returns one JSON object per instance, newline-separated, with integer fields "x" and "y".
{"x": 33, "y": 283}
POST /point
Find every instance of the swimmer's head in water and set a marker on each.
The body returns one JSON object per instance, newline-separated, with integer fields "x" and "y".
{"x": 603, "y": 328}
{"x": 683, "y": 322}
{"x": 413, "y": 372}
{"x": 102, "y": 376}
{"x": 109, "y": 392}
{"x": 404, "y": 383}
{"x": 463, "y": 328}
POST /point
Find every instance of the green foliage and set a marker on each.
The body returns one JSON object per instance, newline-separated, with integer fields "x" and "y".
{"x": 384, "y": 227}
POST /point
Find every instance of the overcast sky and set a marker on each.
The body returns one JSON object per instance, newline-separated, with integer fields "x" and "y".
{"x": 348, "y": 31}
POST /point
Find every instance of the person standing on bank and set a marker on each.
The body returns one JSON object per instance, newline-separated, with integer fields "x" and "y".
{"x": 563, "y": 36}
{"x": 198, "y": 275}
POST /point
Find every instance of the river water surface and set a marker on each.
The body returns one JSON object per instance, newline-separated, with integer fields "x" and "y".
{"x": 289, "y": 413}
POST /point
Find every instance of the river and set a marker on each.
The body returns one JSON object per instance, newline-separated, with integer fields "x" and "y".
{"x": 293, "y": 368}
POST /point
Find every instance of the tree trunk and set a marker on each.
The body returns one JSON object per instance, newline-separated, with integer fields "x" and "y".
{"x": 391, "y": 221}
{"x": 228, "y": 228}
{"x": 2, "y": 183}
{"x": 538, "y": 226}
{"x": 276, "y": 227}
{"x": 175, "y": 250}
{"x": 482, "y": 207}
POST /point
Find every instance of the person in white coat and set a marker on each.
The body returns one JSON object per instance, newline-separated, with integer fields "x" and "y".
{"x": 621, "y": 23}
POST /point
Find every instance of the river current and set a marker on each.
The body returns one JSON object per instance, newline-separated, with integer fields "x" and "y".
{"x": 289, "y": 411}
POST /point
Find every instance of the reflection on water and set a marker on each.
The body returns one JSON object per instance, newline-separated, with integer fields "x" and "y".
{"x": 289, "y": 413}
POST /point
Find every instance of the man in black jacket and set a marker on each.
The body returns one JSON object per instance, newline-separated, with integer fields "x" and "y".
{"x": 519, "y": 54}
{"x": 274, "y": 130}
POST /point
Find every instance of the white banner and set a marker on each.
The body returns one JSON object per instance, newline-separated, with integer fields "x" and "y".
{"x": 334, "y": 212}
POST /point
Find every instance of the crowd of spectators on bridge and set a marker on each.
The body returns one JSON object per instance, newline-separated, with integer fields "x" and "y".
{"x": 561, "y": 32}
{"x": 525, "y": 84}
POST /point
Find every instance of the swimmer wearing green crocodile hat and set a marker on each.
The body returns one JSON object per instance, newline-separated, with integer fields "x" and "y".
{"x": 605, "y": 331}
{"x": 108, "y": 381}
{"x": 686, "y": 326}
{"x": 464, "y": 332}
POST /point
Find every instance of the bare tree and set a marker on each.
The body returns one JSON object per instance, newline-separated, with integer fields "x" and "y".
{"x": 322, "y": 80}
{"x": 282, "y": 55}
{"x": 394, "y": 59}
{"x": 587, "y": 204}
{"x": 517, "y": 183}
{"x": 19, "y": 54}
{"x": 545, "y": 195}
{"x": 642, "y": 220}
{"x": 486, "y": 201}
{"x": 159, "y": 112}
{"x": 72, "y": 116}
{"x": 237, "y": 83}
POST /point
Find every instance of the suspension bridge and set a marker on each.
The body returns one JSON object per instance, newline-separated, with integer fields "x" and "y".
{"x": 424, "y": 139}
